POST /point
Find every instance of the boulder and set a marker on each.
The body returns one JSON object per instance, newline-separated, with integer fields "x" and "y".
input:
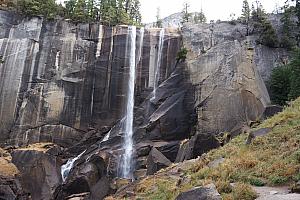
{"x": 196, "y": 146}
{"x": 257, "y": 133}
{"x": 11, "y": 189}
{"x": 296, "y": 187}
{"x": 88, "y": 175}
{"x": 156, "y": 161}
{"x": 208, "y": 192}
{"x": 39, "y": 168}
{"x": 272, "y": 110}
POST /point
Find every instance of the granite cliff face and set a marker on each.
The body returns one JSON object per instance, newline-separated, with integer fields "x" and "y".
{"x": 59, "y": 79}
{"x": 228, "y": 71}
{"x": 66, "y": 84}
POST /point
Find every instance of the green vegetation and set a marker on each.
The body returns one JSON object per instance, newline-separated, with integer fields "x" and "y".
{"x": 46, "y": 8}
{"x": 200, "y": 17}
{"x": 158, "y": 23}
{"x": 271, "y": 160}
{"x": 108, "y": 12}
{"x": 285, "y": 81}
{"x": 288, "y": 38}
{"x": 246, "y": 14}
{"x": 181, "y": 55}
{"x": 186, "y": 15}
{"x": 263, "y": 27}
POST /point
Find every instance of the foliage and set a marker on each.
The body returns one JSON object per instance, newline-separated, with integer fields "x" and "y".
{"x": 108, "y": 12}
{"x": 262, "y": 26}
{"x": 246, "y": 14}
{"x": 46, "y": 8}
{"x": 181, "y": 55}
{"x": 186, "y": 15}
{"x": 200, "y": 17}
{"x": 288, "y": 38}
{"x": 158, "y": 19}
{"x": 295, "y": 76}
{"x": 280, "y": 85}
{"x": 285, "y": 81}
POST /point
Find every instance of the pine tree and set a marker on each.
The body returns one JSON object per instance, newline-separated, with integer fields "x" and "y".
{"x": 262, "y": 26}
{"x": 288, "y": 38}
{"x": 280, "y": 84}
{"x": 200, "y": 17}
{"x": 185, "y": 13}
{"x": 122, "y": 15}
{"x": 158, "y": 19}
{"x": 246, "y": 14}
{"x": 134, "y": 13}
{"x": 295, "y": 76}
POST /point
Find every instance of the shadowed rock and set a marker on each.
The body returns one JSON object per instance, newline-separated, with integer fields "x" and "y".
{"x": 39, "y": 168}
{"x": 196, "y": 146}
{"x": 156, "y": 161}
{"x": 257, "y": 133}
{"x": 208, "y": 192}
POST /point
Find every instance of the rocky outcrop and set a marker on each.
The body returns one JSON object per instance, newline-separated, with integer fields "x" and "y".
{"x": 40, "y": 169}
{"x": 208, "y": 192}
{"x": 10, "y": 185}
{"x": 196, "y": 146}
{"x": 88, "y": 176}
{"x": 228, "y": 87}
{"x": 156, "y": 161}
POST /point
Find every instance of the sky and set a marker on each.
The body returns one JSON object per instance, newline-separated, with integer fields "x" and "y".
{"x": 213, "y": 9}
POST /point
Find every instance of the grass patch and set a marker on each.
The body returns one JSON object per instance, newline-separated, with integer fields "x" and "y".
{"x": 271, "y": 160}
{"x": 243, "y": 191}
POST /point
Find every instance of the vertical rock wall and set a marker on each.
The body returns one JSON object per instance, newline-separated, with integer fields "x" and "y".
{"x": 68, "y": 77}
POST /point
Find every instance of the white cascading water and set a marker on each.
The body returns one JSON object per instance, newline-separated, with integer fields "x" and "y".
{"x": 158, "y": 61}
{"x": 128, "y": 126}
{"x": 142, "y": 31}
{"x": 66, "y": 168}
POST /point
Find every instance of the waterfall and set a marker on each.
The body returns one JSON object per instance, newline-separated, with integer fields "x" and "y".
{"x": 142, "y": 31}
{"x": 66, "y": 168}
{"x": 128, "y": 125}
{"x": 158, "y": 62}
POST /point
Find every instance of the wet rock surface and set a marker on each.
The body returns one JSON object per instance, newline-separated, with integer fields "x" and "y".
{"x": 64, "y": 83}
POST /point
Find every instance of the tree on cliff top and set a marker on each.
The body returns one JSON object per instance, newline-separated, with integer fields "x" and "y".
{"x": 200, "y": 17}
{"x": 158, "y": 22}
{"x": 46, "y": 8}
{"x": 263, "y": 27}
{"x": 246, "y": 14}
{"x": 186, "y": 15}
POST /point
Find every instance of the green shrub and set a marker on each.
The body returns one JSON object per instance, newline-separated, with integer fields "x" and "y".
{"x": 285, "y": 81}
{"x": 256, "y": 182}
{"x": 278, "y": 180}
{"x": 181, "y": 55}
{"x": 280, "y": 84}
